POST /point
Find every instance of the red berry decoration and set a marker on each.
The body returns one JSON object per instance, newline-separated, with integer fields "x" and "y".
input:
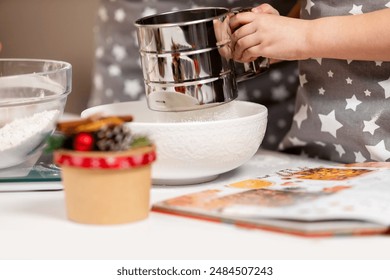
{"x": 83, "y": 142}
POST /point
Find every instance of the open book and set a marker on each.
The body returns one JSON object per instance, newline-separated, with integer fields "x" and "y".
{"x": 315, "y": 201}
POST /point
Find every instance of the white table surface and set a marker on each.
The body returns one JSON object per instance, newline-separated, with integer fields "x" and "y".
{"x": 33, "y": 225}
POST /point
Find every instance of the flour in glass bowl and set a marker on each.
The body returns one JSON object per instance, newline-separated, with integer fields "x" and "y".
{"x": 21, "y": 136}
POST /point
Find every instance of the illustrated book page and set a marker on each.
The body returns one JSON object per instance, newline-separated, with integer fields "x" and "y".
{"x": 315, "y": 201}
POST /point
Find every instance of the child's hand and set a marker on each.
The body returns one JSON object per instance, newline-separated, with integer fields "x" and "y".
{"x": 263, "y": 32}
{"x": 223, "y": 36}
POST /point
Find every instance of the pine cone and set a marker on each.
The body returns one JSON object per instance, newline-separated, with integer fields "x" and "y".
{"x": 113, "y": 138}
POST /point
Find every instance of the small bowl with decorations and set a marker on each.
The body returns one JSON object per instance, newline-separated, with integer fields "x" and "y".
{"x": 105, "y": 169}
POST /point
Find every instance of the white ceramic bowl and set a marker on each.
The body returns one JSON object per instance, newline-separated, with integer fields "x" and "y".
{"x": 195, "y": 146}
{"x": 33, "y": 94}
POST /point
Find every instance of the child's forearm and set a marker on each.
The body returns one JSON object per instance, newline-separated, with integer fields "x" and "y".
{"x": 355, "y": 37}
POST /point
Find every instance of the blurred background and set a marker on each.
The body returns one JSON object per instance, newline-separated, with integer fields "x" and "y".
{"x": 53, "y": 29}
{"x": 74, "y": 30}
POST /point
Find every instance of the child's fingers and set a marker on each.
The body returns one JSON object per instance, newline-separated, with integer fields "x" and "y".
{"x": 240, "y": 39}
{"x": 240, "y": 19}
{"x": 243, "y": 31}
{"x": 250, "y": 54}
{"x": 245, "y": 48}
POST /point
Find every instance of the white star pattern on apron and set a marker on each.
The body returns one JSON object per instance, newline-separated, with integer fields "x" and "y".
{"x": 343, "y": 106}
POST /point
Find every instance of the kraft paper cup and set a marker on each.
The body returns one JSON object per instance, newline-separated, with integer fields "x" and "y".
{"x": 106, "y": 187}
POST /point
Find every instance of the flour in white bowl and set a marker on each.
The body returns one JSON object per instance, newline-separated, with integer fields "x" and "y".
{"x": 21, "y": 136}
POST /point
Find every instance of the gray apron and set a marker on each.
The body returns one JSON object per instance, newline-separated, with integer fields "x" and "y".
{"x": 342, "y": 107}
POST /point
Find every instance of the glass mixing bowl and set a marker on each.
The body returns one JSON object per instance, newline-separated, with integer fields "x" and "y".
{"x": 33, "y": 95}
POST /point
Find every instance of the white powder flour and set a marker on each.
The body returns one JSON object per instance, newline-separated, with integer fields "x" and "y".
{"x": 19, "y": 137}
